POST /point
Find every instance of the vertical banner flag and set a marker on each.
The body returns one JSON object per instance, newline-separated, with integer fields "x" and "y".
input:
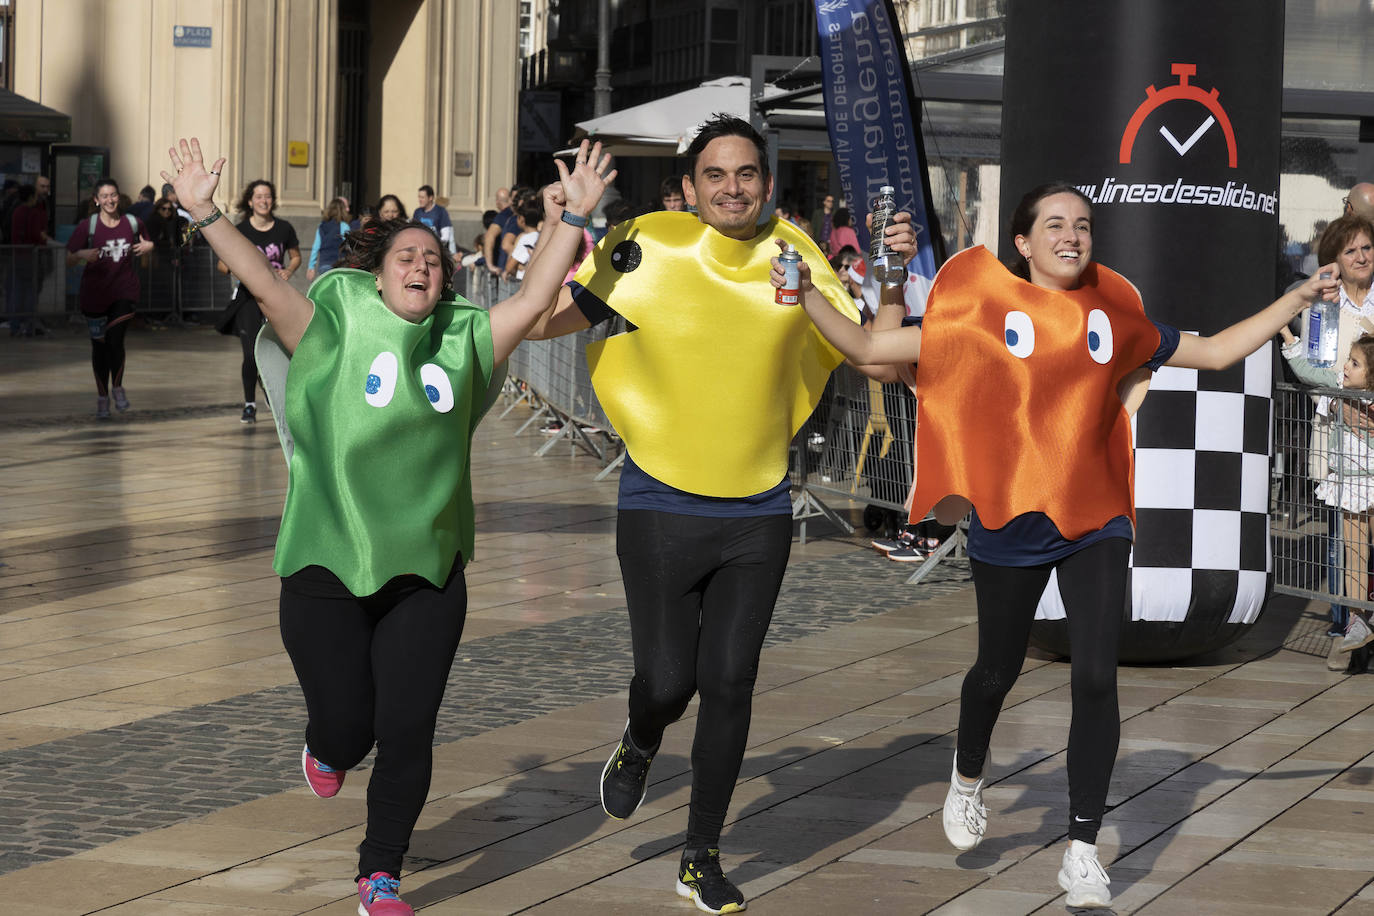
{"x": 1167, "y": 116}
{"x": 868, "y": 111}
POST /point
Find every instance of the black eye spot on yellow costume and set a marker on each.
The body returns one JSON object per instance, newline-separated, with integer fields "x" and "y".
{"x": 626, "y": 256}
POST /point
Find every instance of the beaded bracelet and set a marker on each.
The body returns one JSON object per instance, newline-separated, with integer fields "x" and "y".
{"x": 202, "y": 223}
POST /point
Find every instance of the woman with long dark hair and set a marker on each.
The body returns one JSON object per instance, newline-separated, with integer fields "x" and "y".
{"x": 390, "y": 368}
{"x": 1055, "y": 347}
{"x": 276, "y": 239}
{"x": 108, "y": 242}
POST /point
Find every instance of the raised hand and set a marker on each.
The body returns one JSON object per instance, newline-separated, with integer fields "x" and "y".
{"x": 582, "y": 188}
{"x": 1324, "y": 284}
{"x": 900, "y": 235}
{"x": 194, "y": 183}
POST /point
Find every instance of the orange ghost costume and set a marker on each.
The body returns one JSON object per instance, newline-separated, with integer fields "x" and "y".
{"x": 1018, "y": 405}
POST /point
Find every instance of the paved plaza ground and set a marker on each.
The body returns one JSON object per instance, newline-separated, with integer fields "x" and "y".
{"x": 150, "y": 722}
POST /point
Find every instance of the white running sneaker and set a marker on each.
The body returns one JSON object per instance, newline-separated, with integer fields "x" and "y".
{"x": 1357, "y": 634}
{"x": 1084, "y": 877}
{"x": 965, "y": 818}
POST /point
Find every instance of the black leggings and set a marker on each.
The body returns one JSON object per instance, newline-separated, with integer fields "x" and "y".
{"x": 1092, "y": 583}
{"x": 247, "y": 323}
{"x": 700, "y": 593}
{"x": 107, "y": 353}
{"x": 373, "y": 670}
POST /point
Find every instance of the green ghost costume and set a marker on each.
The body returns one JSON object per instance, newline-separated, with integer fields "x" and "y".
{"x": 378, "y": 415}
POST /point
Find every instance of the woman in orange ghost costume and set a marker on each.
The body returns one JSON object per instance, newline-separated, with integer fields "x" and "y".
{"x": 1034, "y": 365}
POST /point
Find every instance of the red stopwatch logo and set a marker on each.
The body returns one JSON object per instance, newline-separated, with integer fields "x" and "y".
{"x": 1181, "y": 92}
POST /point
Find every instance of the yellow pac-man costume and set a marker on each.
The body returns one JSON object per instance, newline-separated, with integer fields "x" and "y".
{"x": 716, "y": 378}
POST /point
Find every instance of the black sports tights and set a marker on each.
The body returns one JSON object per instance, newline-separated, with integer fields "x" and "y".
{"x": 107, "y": 358}
{"x": 373, "y": 670}
{"x": 1092, "y": 583}
{"x": 700, "y": 593}
{"x": 247, "y": 324}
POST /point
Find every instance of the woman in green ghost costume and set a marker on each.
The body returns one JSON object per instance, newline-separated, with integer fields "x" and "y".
{"x": 386, "y": 383}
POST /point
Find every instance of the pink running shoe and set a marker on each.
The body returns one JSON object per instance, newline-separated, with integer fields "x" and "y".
{"x": 324, "y": 780}
{"x": 377, "y": 896}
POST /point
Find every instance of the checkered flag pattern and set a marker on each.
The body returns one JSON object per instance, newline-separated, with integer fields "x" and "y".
{"x": 1202, "y": 449}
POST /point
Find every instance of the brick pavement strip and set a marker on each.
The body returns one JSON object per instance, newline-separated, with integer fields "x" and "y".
{"x": 76, "y": 793}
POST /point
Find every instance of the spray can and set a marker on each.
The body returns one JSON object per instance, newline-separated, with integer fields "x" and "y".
{"x": 790, "y": 291}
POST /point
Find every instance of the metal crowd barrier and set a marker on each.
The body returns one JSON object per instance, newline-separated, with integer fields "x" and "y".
{"x": 1321, "y": 550}
{"x": 33, "y": 284}
{"x": 552, "y": 377}
{"x": 174, "y": 284}
{"x": 182, "y": 284}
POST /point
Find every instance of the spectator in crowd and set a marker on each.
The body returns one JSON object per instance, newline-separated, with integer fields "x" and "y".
{"x": 324, "y": 254}
{"x": 492, "y": 255}
{"x": 842, "y": 231}
{"x": 510, "y": 229}
{"x": 170, "y": 193}
{"x": 618, "y": 212}
{"x": 473, "y": 259}
{"x": 9, "y": 200}
{"x": 849, "y": 266}
{"x": 1349, "y": 485}
{"x": 822, "y": 221}
{"x": 367, "y": 214}
{"x": 389, "y": 208}
{"x": 143, "y": 207}
{"x": 107, "y": 244}
{"x": 1356, "y": 317}
{"x": 433, "y": 215}
{"x": 1360, "y": 201}
{"x": 530, "y": 216}
{"x": 276, "y": 239}
{"x": 167, "y": 229}
{"x": 670, "y": 193}
{"x": 28, "y": 233}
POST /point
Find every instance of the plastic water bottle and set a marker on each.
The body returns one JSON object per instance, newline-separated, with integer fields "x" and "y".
{"x": 1323, "y": 328}
{"x": 885, "y": 264}
{"x": 790, "y": 291}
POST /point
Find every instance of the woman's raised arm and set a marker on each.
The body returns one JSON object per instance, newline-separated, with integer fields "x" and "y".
{"x": 577, "y": 192}
{"x": 283, "y": 305}
{"x": 1230, "y": 345}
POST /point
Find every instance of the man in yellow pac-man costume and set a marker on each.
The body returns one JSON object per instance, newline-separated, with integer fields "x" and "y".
{"x": 707, "y": 388}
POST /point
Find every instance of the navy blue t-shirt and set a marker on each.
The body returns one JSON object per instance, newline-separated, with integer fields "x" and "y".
{"x": 509, "y": 223}
{"x": 640, "y": 490}
{"x": 1032, "y": 539}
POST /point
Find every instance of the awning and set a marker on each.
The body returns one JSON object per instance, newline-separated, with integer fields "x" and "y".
{"x": 26, "y": 121}
{"x": 666, "y": 126}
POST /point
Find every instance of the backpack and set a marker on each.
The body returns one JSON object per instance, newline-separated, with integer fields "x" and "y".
{"x": 133, "y": 224}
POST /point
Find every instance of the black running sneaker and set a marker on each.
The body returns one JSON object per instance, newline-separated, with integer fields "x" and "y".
{"x": 700, "y": 878}
{"x": 250, "y": 414}
{"x": 625, "y": 779}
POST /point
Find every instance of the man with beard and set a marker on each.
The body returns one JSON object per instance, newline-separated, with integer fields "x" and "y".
{"x": 706, "y": 389}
